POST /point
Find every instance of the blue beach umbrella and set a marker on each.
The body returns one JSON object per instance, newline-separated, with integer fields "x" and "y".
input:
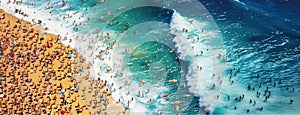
{"x": 70, "y": 54}
{"x": 82, "y": 70}
{"x": 101, "y": 105}
{"x": 62, "y": 92}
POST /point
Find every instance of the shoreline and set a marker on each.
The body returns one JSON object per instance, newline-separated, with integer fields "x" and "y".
{"x": 67, "y": 34}
{"x": 63, "y": 31}
{"x": 42, "y": 19}
{"x": 42, "y": 69}
{"x": 79, "y": 57}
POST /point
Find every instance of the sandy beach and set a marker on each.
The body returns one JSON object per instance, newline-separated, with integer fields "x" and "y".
{"x": 41, "y": 75}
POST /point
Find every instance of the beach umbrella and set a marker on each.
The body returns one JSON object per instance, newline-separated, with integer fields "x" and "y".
{"x": 63, "y": 112}
{"x": 82, "y": 70}
{"x": 62, "y": 92}
{"x": 72, "y": 88}
{"x": 70, "y": 54}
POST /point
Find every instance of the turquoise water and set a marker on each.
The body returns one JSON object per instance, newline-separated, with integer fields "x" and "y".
{"x": 152, "y": 61}
{"x": 139, "y": 15}
{"x": 154, "y": 64}
{"x": 150, "y": 53}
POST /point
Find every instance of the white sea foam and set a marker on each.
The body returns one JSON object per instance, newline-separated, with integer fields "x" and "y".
{"x": 200, "y": 82}
{"x": 48, "y": 21}
{"x": 241, "y": 4}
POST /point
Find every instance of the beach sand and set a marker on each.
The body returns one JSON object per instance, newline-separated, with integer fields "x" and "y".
{"x": 40, "y": 75}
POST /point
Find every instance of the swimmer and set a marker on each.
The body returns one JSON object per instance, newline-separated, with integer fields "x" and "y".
{"x": 260, "y": 85}
{"x": 172, "y": 50}
{"x": 293, "y": 89}
{"x": 120, "y": 9}
{"x": 249, "y": 87}
{"x": 291, "y": 101}
{"x": 213, "y": 86}
{"x": 260, "y": 109}
{"x": 176, "y": 87}
{"x": 280, "y": 81}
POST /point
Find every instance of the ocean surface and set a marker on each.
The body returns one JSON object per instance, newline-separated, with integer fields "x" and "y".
{"x": 221, "y": 53}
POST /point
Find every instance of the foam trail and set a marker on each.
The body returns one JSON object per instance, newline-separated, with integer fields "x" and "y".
{"x": 200, "y": 82}
{"x": 121, "y": 87}
{"x": 241, "y": 4}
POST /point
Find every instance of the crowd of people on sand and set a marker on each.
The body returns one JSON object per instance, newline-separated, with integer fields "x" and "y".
{"x": 37, "y": 67}
{"x": 97, "y": 96}
{"x": 36, "y": 74}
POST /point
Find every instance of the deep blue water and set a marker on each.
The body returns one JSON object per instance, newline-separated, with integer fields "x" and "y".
{"x": 262, "y": 38}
